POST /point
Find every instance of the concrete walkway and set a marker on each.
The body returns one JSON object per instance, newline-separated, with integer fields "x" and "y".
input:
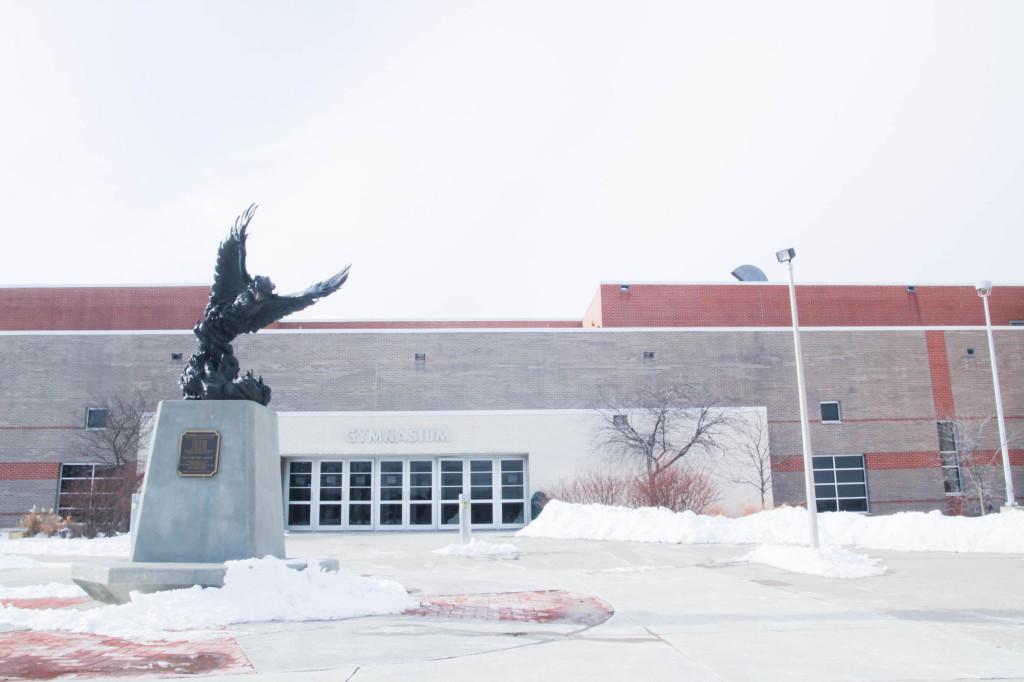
{"x": 680, "y": 613}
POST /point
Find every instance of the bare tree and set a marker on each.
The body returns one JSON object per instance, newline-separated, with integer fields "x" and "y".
{"x": 979, "y": 465}
{"x": 660, "y": 424}
{"x": 103, "y": 504}
{"x": 654, "y": 429}
{"x": 753, "y": 465}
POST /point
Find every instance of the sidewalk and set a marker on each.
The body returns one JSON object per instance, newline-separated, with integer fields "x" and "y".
{"x": 609, "y": 611}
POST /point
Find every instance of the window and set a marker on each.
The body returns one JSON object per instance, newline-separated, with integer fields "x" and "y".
{"x": 831, "y": 412}
{"x": 648, "y": 357}
{"x": 300, "y": 489}
{"x": 620, "y": 420}
{"x": 970, "y": 351}
{"x": 175, "y": 356}
{"x": 840, "y": 483}
{"x": 82, "y": 485}
{"x": 96, "y": 418}
{"x": 950, "y": 458}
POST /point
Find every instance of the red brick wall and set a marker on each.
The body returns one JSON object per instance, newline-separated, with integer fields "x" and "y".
{"x": 101, "y": 308}
{"x": 645, "y": 305}
{"x": 19, "y": 471}
{"x": 938, "y": 367}
{"x": 767, "y": 305}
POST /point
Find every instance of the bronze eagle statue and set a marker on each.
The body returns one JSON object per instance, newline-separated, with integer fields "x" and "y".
{"x": 239, "y": 304}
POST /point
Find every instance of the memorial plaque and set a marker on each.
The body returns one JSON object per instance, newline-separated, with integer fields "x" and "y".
{"x": 198, "y": 453}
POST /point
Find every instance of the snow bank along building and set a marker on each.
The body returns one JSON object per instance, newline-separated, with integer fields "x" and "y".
{"x": 383, "y": 424}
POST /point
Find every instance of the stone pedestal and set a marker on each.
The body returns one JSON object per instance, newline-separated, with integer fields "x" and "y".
{"x": 187, "y": 526}
{"x": 235, "y": 513}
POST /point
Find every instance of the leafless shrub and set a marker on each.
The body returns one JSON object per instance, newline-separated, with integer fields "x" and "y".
{"x": 678, "y": 489}
{"x": 596, "y": 486}
{"x": 42, "y": 522}
{"x": 979, "y": 466}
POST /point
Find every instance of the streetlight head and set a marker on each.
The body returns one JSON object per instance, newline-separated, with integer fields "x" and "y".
{"x": 984, "y": 288}
{"x": 785, "y": 255}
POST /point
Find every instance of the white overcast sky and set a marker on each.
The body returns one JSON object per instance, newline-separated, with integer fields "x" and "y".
{"x": 499, "y": 160}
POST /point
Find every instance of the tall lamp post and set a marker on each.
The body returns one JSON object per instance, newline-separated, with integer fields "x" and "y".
{"x": 984, "y": 289}
{"x": 786, "y": 256}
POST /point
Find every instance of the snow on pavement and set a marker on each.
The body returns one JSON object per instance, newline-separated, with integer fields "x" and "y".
{"x": 255, "y": 590}
{"x": 904, "y": 531}
{"x": 830, "y": 562}
{"x": 58, "y": 590}
{"x": 480, "y": 548}
{"x": 115, "y": 546}
{"x": 12, "y": 561}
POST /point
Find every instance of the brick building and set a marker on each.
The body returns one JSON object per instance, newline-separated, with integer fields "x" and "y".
{"x": 381, "y": 422}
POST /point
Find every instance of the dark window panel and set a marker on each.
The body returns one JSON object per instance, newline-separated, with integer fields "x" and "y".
{"x": 820, "y": 462}
{"x": 481, "y": 513}
{"x": 822, "y": 476}
{"x": 330, "y": 494}
{"x": 420, "y": 515}
{"x": 298, "y": 514}
{"x": 449, "y": 513}
{"x": 330, "y": 515}
{"x": 512, "y": 513}
{"x": 359, "y": 515}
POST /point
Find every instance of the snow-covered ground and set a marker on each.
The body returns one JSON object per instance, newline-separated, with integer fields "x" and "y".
{"x": 255, "y": 590}
{"x": 831, "y": 562}
{"x": 905, "y": 531}
{"x": 480, "y": 548}
{"x": 116, "y": 546}
{"x": 40, "y": 591}
{"x": 13, "y": 561}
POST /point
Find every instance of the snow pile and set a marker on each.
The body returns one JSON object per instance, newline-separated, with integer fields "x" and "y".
{"x": 831, "y": 562}
{"x": 479, "y": 548}
{"x": 255, "y": 590}
{"x": 116, "y": 546}
{"x": 905, "y": 531}
{"x": 60, "y": 590}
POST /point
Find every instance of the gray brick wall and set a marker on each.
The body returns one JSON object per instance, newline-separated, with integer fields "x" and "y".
{"x": 882, "y": 379}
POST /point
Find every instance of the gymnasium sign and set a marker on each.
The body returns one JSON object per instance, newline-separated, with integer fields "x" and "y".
{"x": 415, "y": 435}
{"x": 198, "y": 453}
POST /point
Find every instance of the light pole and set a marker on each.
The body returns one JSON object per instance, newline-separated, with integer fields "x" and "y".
{"x": 786, "y": 256}
{"x": 984, "y": 289}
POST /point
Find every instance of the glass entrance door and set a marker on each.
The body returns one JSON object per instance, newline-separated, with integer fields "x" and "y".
{"x": 405, "y": 493}
{"x": 329, "y": 498}
{"x": 360, "y": 494}
{"x": 421, "y": 493}
{"x": 392, "y": 494}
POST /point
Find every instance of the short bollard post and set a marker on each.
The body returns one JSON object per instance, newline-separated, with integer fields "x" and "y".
{"x": 464, "y": 530}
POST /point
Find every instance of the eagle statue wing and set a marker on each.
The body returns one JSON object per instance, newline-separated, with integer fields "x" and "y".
{"x": 274, "y": 307}
{"x": 230, "y": 277}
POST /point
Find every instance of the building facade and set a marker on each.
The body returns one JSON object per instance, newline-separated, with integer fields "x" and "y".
{"x": 384, "y": 423}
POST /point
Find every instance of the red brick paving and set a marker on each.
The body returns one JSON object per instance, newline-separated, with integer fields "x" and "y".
{"x": 46, "y": 655}
{"x": 547, "y": 606}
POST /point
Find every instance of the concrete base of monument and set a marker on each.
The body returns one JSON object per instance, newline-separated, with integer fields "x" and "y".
{"x": 212, "y": 491}
{"x": 113, "y": 583}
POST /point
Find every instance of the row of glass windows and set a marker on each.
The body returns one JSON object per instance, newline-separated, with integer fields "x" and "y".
{"x": 405, "y": 493}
